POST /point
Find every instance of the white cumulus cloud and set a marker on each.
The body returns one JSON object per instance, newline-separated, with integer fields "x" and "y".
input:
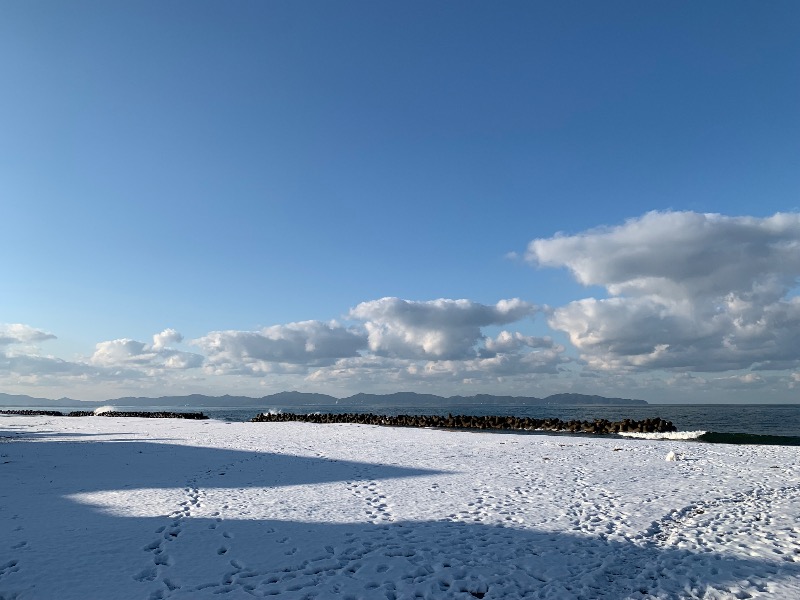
{"x": 437, "y": 329}
{"x": 166, "y": 337}
{"x": 702, "y": 292}
{"x": 307, "y": 343}
{"x": 130, "y": 353}
{"x": 507, "y": 341}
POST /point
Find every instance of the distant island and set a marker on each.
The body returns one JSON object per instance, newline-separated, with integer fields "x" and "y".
{"x": 288, "y": 399}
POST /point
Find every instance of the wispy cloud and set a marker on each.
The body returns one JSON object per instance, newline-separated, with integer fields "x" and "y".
{"x": 17, "y": 333}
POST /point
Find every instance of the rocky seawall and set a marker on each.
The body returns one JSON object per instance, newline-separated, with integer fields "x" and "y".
{"x": 654, "y": 425}
{"x": 33, "y": 413}
{"x": 108, "y": 413}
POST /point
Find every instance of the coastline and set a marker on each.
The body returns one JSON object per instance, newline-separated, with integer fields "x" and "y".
{"x": 189, "y": 509}
{"x": 766, "y": 425}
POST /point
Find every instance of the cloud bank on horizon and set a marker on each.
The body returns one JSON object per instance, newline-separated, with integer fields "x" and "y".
{"x": 693, "y": 302}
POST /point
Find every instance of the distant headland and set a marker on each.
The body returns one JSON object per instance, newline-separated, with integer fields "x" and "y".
{"x": 397, "y": 399}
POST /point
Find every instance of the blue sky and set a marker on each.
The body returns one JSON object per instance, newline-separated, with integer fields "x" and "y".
{"x": 222, "y": 172}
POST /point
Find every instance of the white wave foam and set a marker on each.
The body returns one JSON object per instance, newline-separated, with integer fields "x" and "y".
{"x": 273, "y": 411}
{"x": 671, "y": 435}
{"x": 104, "y": 409}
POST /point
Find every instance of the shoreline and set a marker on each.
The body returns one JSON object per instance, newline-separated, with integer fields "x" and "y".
{"x": 495, "y": 422}
{"x": 648, "y": 428}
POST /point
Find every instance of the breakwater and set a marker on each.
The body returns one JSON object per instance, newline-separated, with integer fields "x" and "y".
{"x": 108, "y": 413}
{"x": 654, "y": 425}
{"x": 33, "y": 413}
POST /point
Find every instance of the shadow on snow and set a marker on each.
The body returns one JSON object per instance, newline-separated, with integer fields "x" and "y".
{"x": 186, "y": 556}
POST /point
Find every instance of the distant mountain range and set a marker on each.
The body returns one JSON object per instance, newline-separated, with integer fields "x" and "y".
{"x": 288, "y": 399}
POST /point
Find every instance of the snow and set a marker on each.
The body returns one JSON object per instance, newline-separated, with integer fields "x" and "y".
{"x": 149, "y": 508}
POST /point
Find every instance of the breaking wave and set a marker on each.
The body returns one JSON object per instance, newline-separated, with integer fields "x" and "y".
{"x": 272, "y": 411}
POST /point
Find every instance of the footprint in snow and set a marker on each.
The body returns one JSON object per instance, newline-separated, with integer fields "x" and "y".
{"x": 148, "y": 574}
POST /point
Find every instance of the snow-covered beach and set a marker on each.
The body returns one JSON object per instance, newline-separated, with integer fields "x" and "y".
{"x": 147, "y": 509}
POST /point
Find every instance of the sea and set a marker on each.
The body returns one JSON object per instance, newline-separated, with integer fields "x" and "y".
{"x": 777, "y": 424}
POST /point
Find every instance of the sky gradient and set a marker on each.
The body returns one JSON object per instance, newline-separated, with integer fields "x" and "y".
{"x": 452, "y": 197}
